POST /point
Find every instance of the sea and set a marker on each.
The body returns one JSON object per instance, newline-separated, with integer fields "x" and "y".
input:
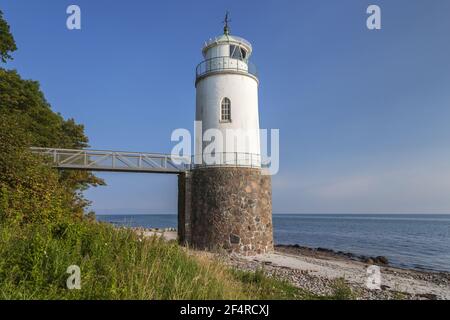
{"x": 416, "y": 241}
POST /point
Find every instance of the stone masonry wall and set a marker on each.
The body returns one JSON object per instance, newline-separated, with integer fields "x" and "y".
{"x": 181, "y": 208}
{"x": 230, "y": 209}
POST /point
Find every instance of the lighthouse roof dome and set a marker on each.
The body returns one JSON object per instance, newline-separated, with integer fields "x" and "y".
{"x": 227, "y": 39}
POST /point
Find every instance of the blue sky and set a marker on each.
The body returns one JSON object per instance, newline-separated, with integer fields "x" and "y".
{"x": 363, "y": 115}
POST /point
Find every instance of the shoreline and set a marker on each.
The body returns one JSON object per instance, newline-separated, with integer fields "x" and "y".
{"x": 337, "y": 254}
{"x": 318, "y": 252}
{"x": 424, "y": 254}
{"x": 320, "y": 273}
{"x": 318, "y": 269}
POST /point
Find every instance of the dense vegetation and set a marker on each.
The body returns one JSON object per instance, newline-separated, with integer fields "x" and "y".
{"x": 44, "y": 229}
{"x": 118, "y": 265}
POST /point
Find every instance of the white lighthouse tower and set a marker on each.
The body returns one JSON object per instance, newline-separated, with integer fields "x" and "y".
{"x": 227, "y": 100}
{"x": 225, "y": 202}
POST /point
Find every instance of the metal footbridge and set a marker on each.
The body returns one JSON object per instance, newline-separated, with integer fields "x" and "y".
{"x": 122, "y": 161}
{"x": 115, "y": 161}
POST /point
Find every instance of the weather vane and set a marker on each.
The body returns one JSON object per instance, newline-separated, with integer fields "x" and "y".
{"x": 226, "y": 29}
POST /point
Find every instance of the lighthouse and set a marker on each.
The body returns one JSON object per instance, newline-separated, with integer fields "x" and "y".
{"x": 225, "y": 200}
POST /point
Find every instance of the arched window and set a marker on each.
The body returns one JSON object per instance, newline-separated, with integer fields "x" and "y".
{"x": 225, "y": 110}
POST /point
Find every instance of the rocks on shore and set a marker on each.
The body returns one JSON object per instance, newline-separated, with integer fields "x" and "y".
{"x": 317, "y": 271}
{"x": 324, "y": 252}
{"x": 318, "y": 285}
{"x": 375, "y": 260}
{"x": 140, "y": 229}
{"x": 168, "y": 234}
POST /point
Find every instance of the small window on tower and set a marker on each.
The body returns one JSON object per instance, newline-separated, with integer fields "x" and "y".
{"x": 233, "y": 51}
{"x": 225, "y": 110}
{"x": 237, "y": 52}
{"x": 243, "y": 53}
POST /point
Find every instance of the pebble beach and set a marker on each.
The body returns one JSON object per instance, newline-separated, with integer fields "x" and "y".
{"x": 317, "y": 270}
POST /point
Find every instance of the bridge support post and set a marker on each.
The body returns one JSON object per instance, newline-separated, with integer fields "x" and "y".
{"x": 184, "y": 208}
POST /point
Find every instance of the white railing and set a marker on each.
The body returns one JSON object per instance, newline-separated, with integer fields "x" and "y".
{"x": 101, "y": 160}
{"x": 229, "y": 159}
{"x": 224, "y": 63}
{"x": 232, "y": 39}
{"x": 119, "y": 161}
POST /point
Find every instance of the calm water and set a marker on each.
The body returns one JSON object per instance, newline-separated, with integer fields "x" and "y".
{"x": 414, "y": 241}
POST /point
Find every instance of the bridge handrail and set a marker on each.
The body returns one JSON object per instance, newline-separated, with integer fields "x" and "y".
{"x": 106, "y": 160}
{"x": 38, "y": 149}
{"x": 114, "y": 160}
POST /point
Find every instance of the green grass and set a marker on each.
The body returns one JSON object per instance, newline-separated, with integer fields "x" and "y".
{"x": 115, "y": 264}
{"x": 341, "y": 291}
{"x": 118, "y": 264}
{"x": 260, "y": 286}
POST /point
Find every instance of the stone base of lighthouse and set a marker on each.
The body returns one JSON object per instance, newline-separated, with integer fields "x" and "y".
{"x": 226, "y": 209}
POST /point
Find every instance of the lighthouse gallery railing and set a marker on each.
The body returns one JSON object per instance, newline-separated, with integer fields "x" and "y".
{"x": 225, "y": 64}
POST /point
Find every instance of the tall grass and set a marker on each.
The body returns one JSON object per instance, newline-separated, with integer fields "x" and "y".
{"x": 117, "y": 264}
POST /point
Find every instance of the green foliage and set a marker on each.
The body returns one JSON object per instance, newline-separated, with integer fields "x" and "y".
{"x": 47, "y": 128}
{"x": 29, "y": 189}
{"x": 7, "y": 42}
{"x": 115, "y": 264}
{"x": 260, "y": 286}
{"x": 341, "y": 291}
{"x": 24, "y": 109}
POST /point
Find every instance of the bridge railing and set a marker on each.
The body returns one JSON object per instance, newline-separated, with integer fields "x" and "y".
{"x": 101, "y": 160}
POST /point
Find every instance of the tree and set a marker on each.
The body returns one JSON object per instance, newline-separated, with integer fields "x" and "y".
{"x": 26, "y": 115}
{"x": 7, "y": 42}
{"x": 30, "y": 191}
{"x": 24, "y": 101}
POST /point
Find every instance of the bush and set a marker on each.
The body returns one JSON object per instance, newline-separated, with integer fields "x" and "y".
{"x": 260, "y": 286}
{"x": 26, "y": 120}
{"x": 30, "y": 191}
{"x": 341, "y": 291}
